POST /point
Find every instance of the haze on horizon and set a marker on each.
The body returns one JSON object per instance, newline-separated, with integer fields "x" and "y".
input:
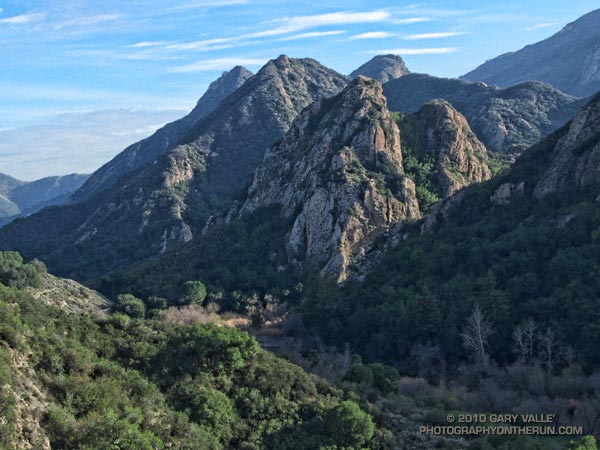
{"x": 83, "y": 80}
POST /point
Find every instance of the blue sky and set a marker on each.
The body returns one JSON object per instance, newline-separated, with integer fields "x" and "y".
{"x": 78, "y": 56}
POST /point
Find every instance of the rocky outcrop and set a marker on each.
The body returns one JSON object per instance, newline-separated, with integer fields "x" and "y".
{"x": 569, "y": 60}
{"x": 383, "y": 68}
{"x": 338, "y": 177}
{"x": 575, "y": 159}
{"x": 461, "y": 159}
{"x": 506, "y": 192}
{"x": 505, "y": 120}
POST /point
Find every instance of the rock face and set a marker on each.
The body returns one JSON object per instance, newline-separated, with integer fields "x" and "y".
{"x": 575, "y": 159}
{"x": 505, "y": 120}
{"x": 19, "y": 198}
{"x": 460, "y": 158}
{"x": 167, "y": 137}
{"x": 338, "y": 177}
{"x": 569, "y": 60}
{"x": 383, "y": 68}
{"x": 166, "y": 201}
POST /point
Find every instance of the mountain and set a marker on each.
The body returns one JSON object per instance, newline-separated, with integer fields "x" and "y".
{"x": 19, "y": 198}
{"x": 568, "y": 60}
{"x": 145, "y": 151}
{"x": 505, "y": 120}
{"x": 338, "y": 176}
{"x": 165, "y": 202}
{"x": 347, "y": 176}
{"x": 522, "y": 247}
{"x": 383, "y": 68}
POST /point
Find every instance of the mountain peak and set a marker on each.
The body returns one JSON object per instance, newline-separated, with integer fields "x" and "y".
{"x": 383, "y": 68}
{"x": 568, "y": 60}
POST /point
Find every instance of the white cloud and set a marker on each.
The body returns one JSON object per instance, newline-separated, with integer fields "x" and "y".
{"x": 373, "y": 35}
{"x": 410, "y": 20}
{"x": 312, "y": 34}
{"x": 217, "y": 64}
{"x": 541, "y": 25}
{"x": 209, "y": 4}
{"x": 415, "y": 51}
{"x": 23, "y": 18}
{"x": 284, "y": 25}
{"x": 299, "y": 23}
{"x": 413, "y": 37}
{"x": 146, "y": 44}
{"x": 205, "y": 44}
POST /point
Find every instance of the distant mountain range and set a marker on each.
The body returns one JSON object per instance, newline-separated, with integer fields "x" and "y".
{"x": 569, "y": 60}
{"x": 20, "y": 198}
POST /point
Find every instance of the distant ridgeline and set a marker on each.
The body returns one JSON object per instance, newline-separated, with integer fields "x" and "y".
{"x": 21, "y": 198}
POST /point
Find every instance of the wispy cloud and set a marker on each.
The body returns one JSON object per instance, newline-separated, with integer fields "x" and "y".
{"x": 147, "y": 44}
{"x": 541, "y": 25}
{"x": 205, "y": 44}
{"x": 410, "y": 20}
{"x": 413, "y": 37}
{"x": 373, "y": 35}
{"x": 23, "y": 18}
{"x": 415, "y": 51}
{"x": 209, "y": 4}
{"x": 283, "y": 26}
{"x": 286, "y": 25}
{"x": 217, "y": 64}
{"x": 312, "y": 34}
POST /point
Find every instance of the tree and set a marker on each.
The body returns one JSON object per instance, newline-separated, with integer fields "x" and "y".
{"x": 349, "y": 425}
{"x": 476, "y": 334}
{"x": 192, "y": 293}
{"x": 548, "y": 349}
{"x": 524, "y": 338}
{"x": 130, "y": 305}
{"x": 586, "y": 443}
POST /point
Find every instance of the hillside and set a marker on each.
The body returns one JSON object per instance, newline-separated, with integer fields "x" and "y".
{"x": 568, "y": 60}
{"x": 74, "y": 381}
{"x": 505, "y": 120}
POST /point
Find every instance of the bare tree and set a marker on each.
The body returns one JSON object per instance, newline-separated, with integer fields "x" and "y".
{"x": 548, "y": 349}
{"x": 524, "y": 337}
{"x": 475, "y": 336}
{"x": 520, "y": 343}
{"x": 530, "y": 328}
